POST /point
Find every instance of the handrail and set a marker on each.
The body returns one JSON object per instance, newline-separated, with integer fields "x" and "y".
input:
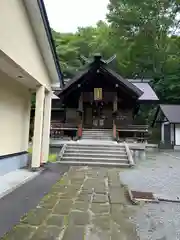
{"x": 62, "y": 151}
{"x": 134, "y": 126}
{"x": 129, "y": 155}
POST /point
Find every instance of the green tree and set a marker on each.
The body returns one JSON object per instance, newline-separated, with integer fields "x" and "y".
{"x": 68, "y": 53}
{"x": 145, "y": 27}
{"x": 85, "y": 42}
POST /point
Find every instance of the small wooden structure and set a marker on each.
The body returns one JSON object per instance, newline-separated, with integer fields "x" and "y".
{"x": 99, "y": 98}
{"x": 167, "y": 118}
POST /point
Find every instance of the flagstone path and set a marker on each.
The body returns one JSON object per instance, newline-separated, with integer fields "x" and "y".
{"x": 85, "y": 204}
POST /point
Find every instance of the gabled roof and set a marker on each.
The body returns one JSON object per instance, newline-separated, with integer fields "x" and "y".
{"x": 171, "y": 112}
{"x": 76, "y": 78}
{"x": 102, "y": 67}
{"x": 141, "y": 84}
{"x": 140, "y": 88}
{"x": 122, "y": 81}
{"x": 148, "y": 92}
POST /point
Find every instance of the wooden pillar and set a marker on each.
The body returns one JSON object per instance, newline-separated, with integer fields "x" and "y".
{"x": 115, "y": 108}
{"x": 81, "y": 103}
{"x": 115, "y": 103}
{"x": 80, "y": 117}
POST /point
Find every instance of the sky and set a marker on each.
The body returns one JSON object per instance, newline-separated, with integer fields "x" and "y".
{"x": 68, "y": 15}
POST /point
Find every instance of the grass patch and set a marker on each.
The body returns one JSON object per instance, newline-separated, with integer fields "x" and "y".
{"x": 30, "y": 150}
{"x": 51, "y": 158}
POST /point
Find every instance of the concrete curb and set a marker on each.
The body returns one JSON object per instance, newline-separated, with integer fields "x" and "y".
{"x": 27, "y": 179}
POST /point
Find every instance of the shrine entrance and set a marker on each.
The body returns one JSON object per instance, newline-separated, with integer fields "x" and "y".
{"x": 98, "y": 115}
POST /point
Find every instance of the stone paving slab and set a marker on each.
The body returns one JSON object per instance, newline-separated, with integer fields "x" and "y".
{"x": 63, "y": 207}
{"x": 116, "y": 195}
{"x": 78, "y": 218}
{"x": 102, "y": 222}
{"x": 36, "y": 217}
{"x": 56, "y": 220}
{"x": 95, "y": 234}
{"x": 74, "y": 233}
{"x": 100, "y": 209}
{"x": 47, "y": 233}
{"x": 100, "y": 198}
{"x": 82, "y": 205}
{"x": 22, "y": 232}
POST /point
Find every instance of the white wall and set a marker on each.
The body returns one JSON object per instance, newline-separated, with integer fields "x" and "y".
{"x": 18, "y": 41}
{"x": 14, "y": 115}
{"x": 177, "y": 134}
{"x": 162, "y": 132}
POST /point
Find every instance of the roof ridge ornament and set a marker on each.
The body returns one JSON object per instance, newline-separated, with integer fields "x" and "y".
{"x": 110, "y": 59}
{"x": 99, "y": 57}
{"x": 85, "y": 59}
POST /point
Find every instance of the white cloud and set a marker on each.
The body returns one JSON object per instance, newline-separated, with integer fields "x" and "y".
{"x": 67, "y": 15}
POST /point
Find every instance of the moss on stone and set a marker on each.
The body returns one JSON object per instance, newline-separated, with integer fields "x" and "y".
{"x": 19, "y": 232}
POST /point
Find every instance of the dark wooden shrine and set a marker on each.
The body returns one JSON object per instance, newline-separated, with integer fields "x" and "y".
{"x": 97, "y": 97}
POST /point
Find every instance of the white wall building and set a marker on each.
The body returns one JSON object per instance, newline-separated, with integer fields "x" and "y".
{"x": 28, "y": 64}
{"x": 168, "y": 116}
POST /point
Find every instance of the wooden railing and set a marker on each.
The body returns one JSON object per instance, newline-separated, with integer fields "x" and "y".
{"x": 140, "y": 128}
{"x": 139, "y": 133}
{"x": 63, "y": 130}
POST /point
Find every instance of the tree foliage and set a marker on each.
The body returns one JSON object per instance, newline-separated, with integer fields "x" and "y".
{"x": 144, "y": 35}
{"x": 147, "y": 28}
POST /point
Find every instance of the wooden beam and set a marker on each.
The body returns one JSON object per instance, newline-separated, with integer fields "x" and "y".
{"x": 80, "y": 107}
{"x": 155, "y": 116}
{"x": 115, "y": 103}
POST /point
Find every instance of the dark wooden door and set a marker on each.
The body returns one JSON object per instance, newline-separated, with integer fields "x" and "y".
{"x": 98, "y": 116}
{"x": 87, "y": 117}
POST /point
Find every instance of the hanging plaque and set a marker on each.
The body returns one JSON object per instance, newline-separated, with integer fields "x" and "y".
{"x": 97, "y": 94}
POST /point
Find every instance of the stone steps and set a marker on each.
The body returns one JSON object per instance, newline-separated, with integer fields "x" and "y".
{"x": 95, "y": 147}
{"x": 99, "y": 164}
{"x": 98, "y": 138}
{"x": 97, "y": 130}
{"x": 95, "y": 151}
{"x": 90, "y": 159}
{"x": 95, "y": 154}
{"x": 97, "y": 133}
{"x": 92, "y": 143}
{"x": 100, "y": 134}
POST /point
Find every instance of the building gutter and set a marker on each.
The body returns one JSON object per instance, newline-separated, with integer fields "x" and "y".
{"x": 50, "y": 39}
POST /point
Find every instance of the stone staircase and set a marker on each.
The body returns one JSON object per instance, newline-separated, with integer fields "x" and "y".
{"x": 97, "y": 134}
{"x": 95, "y": 154}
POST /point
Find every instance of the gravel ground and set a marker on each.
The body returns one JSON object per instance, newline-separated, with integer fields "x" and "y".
{"x": 159, "y": 173}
